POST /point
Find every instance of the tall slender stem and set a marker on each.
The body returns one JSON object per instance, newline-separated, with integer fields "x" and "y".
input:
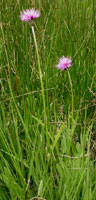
{"x": 40, "y": 71}
{"x": 41, "y": 81}
{"x": 72, "y": 96}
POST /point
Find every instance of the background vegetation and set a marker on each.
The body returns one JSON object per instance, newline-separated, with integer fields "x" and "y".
{"x": 52, "y": 158}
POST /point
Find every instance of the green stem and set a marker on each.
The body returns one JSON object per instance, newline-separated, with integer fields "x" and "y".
{"x": 72, "y": 96}
{"x": 41, "y": 81}
{"x": 40, "y": 71}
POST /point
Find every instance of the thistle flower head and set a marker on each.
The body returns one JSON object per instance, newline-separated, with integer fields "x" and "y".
{"x": 29, "y": 14}
{"x": 64, "y": 63}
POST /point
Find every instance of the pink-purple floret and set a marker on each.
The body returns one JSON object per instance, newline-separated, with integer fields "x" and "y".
{"x": 64, "y": 63}
{"x": 29, "y": 15}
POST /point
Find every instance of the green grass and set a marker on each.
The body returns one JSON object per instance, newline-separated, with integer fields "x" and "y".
{"x": 47, "y": 138}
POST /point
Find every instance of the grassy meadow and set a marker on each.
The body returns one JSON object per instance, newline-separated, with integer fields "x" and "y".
{"x": 48, "y": 116}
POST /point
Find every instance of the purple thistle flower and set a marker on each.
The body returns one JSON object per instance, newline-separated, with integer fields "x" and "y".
{"x": 64, "y": 63}
{"x": 29, "y": 14}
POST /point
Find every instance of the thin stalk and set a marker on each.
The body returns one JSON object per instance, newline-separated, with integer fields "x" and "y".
{"x": 40, "y": 71}
{"x": 71, "y": 86}
{"x": 41, "y": 81}
{"x": 93, "y": 17}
